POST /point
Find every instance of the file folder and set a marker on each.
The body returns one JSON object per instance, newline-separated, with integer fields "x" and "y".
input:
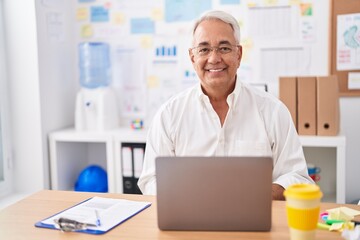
{"x": 127, "y": 169}
{"x": 138, "y": 153}
{"x": 327, "y": 106}
{"x": 288, "y": 95}
{"x": 306, "y": 87}
{"x": 132, "y": 163}
{"x": 138, "y": 161}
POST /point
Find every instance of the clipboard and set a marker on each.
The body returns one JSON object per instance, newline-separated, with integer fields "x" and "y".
{"x": 112, "y": 212}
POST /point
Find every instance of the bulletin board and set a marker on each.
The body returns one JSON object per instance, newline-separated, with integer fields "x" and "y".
{"x": 345, "y": 8}
{"x": 150, "y": 41}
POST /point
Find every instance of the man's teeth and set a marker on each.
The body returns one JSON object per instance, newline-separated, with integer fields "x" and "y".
{"x": 215, "y": 70}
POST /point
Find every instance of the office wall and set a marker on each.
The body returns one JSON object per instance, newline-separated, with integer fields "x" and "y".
{"x": 22, "y": 70}
{"x": 349, "y": 126}
{"x": 149, "y": 43}
{"x": 42, "y": 90}
{"x": 57, "y": 64}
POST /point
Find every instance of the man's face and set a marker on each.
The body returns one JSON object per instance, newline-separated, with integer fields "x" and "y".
{"x": 215, "y": 69}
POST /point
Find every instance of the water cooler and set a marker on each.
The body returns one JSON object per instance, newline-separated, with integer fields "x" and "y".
{"x": 96, "y": 103}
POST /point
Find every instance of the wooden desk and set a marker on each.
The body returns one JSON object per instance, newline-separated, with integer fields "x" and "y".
{"x": 17, "y": 221}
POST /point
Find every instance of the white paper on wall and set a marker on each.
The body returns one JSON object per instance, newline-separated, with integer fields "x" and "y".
{"x": 348, "y": 42}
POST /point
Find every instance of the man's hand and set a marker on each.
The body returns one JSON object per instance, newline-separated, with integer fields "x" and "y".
{"x": 277, "y": 192}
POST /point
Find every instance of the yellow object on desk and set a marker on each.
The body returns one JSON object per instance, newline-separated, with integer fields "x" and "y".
{"x": 342, "y": 213}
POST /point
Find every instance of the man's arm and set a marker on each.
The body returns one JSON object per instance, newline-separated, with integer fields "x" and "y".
{"x": 277, "y": 192}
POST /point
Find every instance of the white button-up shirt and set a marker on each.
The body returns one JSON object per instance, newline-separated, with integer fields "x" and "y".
{"x": 257, "y": 124}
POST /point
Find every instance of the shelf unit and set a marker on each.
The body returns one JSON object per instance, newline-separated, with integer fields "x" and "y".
{"x": 338, "y": 143}
{"x": 71, "y": 151}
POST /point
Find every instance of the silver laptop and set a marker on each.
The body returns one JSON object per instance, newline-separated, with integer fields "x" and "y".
{"x": 214, "y": 193}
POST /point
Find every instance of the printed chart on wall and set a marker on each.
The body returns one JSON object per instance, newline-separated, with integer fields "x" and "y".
{"x": 150, "y": 40}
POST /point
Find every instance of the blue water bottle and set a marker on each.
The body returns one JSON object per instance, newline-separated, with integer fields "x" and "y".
{"x": 94, "y": 64}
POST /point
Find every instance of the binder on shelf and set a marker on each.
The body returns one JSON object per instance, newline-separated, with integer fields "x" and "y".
{"x": 138, "y": 161}
{"x": 132, "y": 162}
{"x": 127, "y": 172}
{"x": 288, "y": 95}
{"x": 327, "y": 106}
{"x": 306, "y": 87}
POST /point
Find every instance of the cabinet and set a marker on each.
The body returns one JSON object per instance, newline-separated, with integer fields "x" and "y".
{"x": 71, "y": 151}
{"x": 330, "y": 154}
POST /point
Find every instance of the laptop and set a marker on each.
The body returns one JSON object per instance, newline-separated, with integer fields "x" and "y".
{"x": 214, "y": 193}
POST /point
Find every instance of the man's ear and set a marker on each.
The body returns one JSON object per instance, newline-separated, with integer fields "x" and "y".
{"x": 239, "y": 54}
{"x": 191, "y": 55}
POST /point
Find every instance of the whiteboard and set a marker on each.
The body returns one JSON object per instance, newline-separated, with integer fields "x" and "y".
{"x": 150, "y": 40}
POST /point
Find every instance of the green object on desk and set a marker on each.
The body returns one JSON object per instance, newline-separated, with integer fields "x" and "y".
{"x": 331, "y": 221}
{"x": 323, "y": 226}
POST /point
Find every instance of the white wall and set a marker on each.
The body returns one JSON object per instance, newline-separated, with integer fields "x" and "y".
{"x": 350, "y": 127}
{"x": 20, "y": 33}
{"x": 41, "y": 89}
{"x": 57, "y": 64}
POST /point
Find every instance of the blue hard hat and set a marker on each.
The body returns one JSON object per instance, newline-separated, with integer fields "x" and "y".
{"x": 92, "y": 179}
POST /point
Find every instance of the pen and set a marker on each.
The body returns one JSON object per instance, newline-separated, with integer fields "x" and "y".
{"x": 98, "y": 222}
{"x": 331, "y": 221}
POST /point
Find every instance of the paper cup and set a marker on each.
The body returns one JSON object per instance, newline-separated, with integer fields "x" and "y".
{"x": 302, "y": 209}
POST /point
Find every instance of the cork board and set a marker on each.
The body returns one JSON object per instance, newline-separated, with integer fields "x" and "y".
{"x": 339, "y": 7}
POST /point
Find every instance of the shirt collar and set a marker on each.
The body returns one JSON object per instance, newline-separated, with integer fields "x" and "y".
{"x": 231, "y": 99}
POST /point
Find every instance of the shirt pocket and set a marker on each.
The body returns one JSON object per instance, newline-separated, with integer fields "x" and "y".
{"x": 251, "y": 148}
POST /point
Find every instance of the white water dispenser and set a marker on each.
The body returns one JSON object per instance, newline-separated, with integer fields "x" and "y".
{"x": 96, "y": 102}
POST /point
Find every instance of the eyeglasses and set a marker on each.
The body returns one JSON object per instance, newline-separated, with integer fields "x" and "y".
{"x": 69, "y": 225}
{"x": 204, "y": 51}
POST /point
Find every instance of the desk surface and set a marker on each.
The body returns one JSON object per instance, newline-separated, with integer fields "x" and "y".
{"x": 17, "y": 221}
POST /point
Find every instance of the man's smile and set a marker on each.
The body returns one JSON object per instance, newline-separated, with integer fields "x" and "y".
{"x": 215, "y": 70}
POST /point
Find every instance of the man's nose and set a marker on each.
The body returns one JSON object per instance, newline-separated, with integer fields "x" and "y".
{"x": 214, "y": 55}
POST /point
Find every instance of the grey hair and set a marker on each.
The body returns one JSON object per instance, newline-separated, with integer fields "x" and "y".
{"x": 222, "y": 16}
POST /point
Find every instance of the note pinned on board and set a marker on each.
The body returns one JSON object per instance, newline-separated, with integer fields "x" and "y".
{"x": 82, "y": 14}
{"x": 146, "y": 42}
{"x": 306, "y": 9}
{"x": 294, "y": 2}
{"x": 157, "y": 14}
{"x": 354, "y": 80}
{"x": 185, "y": 10}
{"x": 118, "y": 18}
{"x": 87, "y": 31}
{"x": 230, "y": 1}
{"x": 99, "y": 14}
{"x": 55, "y": 26}
{"x": 271, "y": 2}
{"x": 153, "y": 82}
{"x": 142, "y": 25}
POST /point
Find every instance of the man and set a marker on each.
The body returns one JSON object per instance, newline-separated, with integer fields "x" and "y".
{"x": 222, "y": 116}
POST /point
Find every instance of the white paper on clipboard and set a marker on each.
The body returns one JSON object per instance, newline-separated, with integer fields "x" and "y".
{"x": 111, "y": 212}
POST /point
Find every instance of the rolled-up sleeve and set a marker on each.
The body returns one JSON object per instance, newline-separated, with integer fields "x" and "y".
{"x": 158, "y": 143}
{"x": 289, "y": 161}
